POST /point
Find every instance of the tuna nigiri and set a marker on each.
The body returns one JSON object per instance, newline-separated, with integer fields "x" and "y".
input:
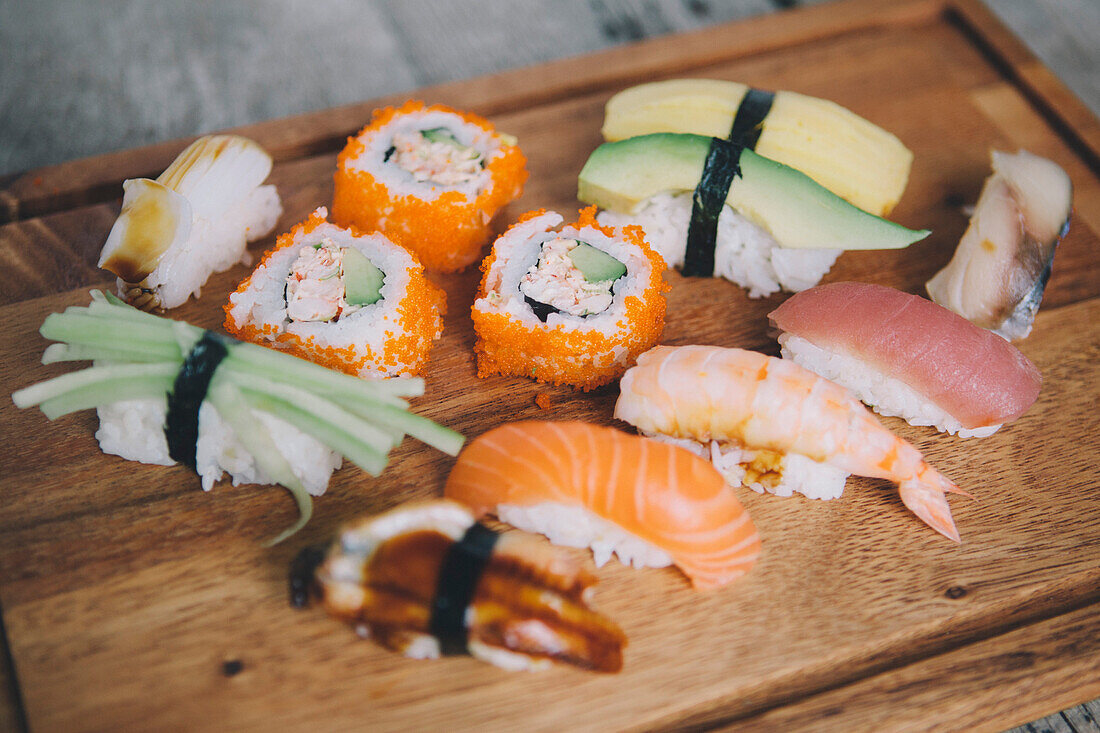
{"x": 583, "y": 485}
{"x": 906, "y": 356}
{"x": 772, "y": 425}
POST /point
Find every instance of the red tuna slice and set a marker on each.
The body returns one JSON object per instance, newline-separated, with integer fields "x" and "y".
{"x": 971, "y": 373}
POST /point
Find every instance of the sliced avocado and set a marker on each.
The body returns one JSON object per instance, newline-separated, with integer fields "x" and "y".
{"x": 362, "y": 279}
{"x": 441, "y": 135}
{"x": 596, "y": 265}
{"x": 790, "y": 205}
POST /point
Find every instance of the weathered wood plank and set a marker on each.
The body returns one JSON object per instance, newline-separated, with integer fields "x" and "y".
{"x": 91, "y": 78}
{"x": 80, "y": 82}
{"x": 979, "y": 110}
{"x": 90, "y": 181}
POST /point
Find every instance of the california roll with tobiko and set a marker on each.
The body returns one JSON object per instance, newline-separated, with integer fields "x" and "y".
{"x": 571, "y": 304}
{"x": 349, "y": 301}
{"x": 430, "y": 178}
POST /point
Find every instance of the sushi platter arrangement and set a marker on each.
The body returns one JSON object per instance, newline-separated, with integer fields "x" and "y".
{"x": 710, "y": 384}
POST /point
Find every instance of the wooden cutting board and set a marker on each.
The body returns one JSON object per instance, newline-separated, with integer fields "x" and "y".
{"x": 131, "y": 599}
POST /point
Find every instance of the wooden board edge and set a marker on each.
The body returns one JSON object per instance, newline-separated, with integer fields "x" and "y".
{"x": 993, "y": 684}
{"x": 1060, "y": 108}
{"x": 12, "y": 712}
{"x": 1039, "y": 611}
{"x": 97, "y": 179}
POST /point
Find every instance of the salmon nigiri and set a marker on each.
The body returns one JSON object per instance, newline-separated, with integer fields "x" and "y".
{"x": 775, "y": 426}
{"x": 583, "y": 485}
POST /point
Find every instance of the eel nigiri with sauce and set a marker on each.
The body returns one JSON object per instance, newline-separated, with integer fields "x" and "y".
{"x": 427, "y": 580}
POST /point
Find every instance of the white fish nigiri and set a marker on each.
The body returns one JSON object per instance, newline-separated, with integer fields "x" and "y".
{"x": 906, "y": 356}
{"x": 195, "y": 219}
{"x": 1000, "y": 269}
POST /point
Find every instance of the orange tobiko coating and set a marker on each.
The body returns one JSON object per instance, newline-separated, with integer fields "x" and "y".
{"x": 402, "y": 351}
{"x": 561, "y": 354}
{"x": 446, "y": 233}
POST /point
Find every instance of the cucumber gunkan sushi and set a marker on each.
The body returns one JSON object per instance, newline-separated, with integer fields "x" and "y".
{"x": 349, "y": 301}
{"x": 571, "y": 304}
{"x": 431, "y": 179}
{"x": 168, "y": 392}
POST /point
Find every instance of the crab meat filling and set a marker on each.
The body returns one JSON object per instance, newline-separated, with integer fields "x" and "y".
{"x": 435, "y": 156}
{"x": 315, "y": 285}
{"x": 555, "y": 281}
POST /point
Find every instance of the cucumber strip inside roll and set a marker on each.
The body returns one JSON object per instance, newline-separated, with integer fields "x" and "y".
{"x": 458, "y": 578}
{"x": 748, "y": 123}
{"x": 723, "y": 164}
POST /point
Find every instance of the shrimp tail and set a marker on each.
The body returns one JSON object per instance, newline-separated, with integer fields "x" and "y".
{"x": 925, "y": 495}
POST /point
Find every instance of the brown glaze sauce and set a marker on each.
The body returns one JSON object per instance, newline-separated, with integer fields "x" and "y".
{"x": 148, "y": 233}
{"x": 521, "y": 606}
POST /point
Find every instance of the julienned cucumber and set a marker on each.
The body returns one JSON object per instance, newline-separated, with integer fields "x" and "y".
{"x": 596, "y": 265}
{"x": 787, "y": 203}
{"x": 142, "y": 354}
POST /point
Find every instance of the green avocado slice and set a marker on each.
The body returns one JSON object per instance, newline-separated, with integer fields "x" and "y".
{"x": 595, "y": 264}
{"x": 362, "y": 279}
{"x": 797, "y": 211}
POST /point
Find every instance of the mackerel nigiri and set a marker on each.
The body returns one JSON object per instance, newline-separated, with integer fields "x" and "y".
{"x": 906, "y": 356}
{"x": 999, "y": 272}
{"x": 582, "y": 485}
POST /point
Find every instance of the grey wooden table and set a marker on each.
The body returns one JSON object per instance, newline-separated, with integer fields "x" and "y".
{"x": 80, "y": 77}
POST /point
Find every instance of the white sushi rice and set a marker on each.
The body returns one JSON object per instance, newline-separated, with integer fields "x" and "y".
{"x": 575, "y": 526}
{"x": 884, "y": 394}
{"x": 263, "y": 303}
{"x": 402, "y": 183}
{"x": 745, "y": 253}
{"x": 134, "y": 429}
{"x": 796, "y": 472}
{"x": 215, "y": 244}
{"x": 518, "y": 250}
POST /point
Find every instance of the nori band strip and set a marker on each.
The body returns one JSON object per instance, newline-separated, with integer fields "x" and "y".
{"x": 749, "y": 121}
{"x": 541, "y": 310}
{"x": 181, "y": 425}
{"x": 458, "y": 578}
{"x": 723, "y": 164}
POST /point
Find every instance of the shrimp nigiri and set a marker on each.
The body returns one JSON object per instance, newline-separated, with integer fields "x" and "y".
{"x": 775, "y": 426}
{"x": 582, "y": 485}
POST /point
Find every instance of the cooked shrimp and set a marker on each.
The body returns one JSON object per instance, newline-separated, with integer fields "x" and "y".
{"x": 707, "y": 393}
